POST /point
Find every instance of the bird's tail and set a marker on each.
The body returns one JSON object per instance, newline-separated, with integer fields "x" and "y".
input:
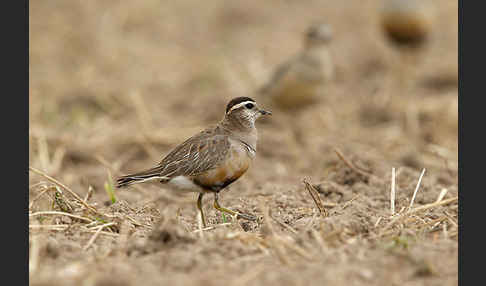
{"x": 141, "y": 177}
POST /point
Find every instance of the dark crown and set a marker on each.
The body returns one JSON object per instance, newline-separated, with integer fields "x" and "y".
{"x": 319, "y": 31}
{"x": 237, "y": 100}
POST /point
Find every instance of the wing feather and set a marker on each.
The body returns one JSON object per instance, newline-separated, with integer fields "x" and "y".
{"x": 196, "y": 155}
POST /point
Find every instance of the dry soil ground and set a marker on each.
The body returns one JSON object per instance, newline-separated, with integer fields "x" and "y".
{"x": 114, "y": 85}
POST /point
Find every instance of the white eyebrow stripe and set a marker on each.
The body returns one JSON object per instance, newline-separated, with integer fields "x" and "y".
{"x": 240, "y": 105}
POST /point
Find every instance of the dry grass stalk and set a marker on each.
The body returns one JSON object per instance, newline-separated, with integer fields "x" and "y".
{"x": 452, "y": 220}
{"x": 404, "y": 215}
{"x": 111, "y": 234}
{"x": 60, "y": 213}
{"x": 351, "y": 165}
{"x": 89, "y": 194}
{"x": 392, "y": 194}
{"x": 266, "y": 229}
{"x": 315, "y": 196}
{"x": 347, "y": 203}
{"x": 93, "y": 238}
{"x": 43, "y": 152}
{"x": 213, "y": 227}
{"x": 65, "y": 188}
{"x": 291, "y": 229}
{"x": 430, "y": 224}
{"x": 45, "y": 190}
{"x": 444, "y": 230}
{"x": 378, "y": 221}
{"x": 53, "y": 165}
{"x": 416, "y": 188}
{"x": 432, "y": 205}
{"x": 49, "y": 226}
{"x": 442, "y": 194}
{"x": 62, "y": 227}
{"x": 105, "y": 163}
{"x": 141, "y": 110}
{"x": 135, "y": 222}
{"x": 41, "y": 184}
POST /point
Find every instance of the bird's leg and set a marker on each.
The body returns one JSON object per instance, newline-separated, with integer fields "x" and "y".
{"x": 199, "y": 206}
{"x": 233, "y": 213}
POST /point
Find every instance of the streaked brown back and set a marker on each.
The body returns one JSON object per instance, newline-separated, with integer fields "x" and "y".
{"x": 204, "y": 151}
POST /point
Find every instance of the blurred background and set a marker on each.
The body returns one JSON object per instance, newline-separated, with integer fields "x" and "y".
{"x": 128, "y": 81}
{"x": 115, "y": 85}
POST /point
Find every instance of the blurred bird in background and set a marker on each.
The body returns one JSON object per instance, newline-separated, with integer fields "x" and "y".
{"x": 298, "y": 82}
{"x": 301, "y": 82}
{"x": 407, "y": 25}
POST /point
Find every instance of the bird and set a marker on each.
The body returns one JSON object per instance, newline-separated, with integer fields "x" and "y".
{"x": 296, "y": 83}
{"x": 407, "y": 23}
{"x": 408, "y": 27}
{"x": 210, "y": 160}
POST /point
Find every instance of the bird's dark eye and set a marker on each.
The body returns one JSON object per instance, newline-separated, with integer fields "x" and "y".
{"x": 249, "y": 105}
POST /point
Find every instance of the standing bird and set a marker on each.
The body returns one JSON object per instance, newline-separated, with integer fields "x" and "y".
{"x": 298, "y": 82}
{"x": 212, "y": 159}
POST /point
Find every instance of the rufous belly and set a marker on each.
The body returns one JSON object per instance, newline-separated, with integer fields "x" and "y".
{"x": 229, "y": 171}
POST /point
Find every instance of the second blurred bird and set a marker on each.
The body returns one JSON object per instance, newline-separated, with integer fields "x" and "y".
{"x": 298, "y": 82}
{"x": 407, "y": 23}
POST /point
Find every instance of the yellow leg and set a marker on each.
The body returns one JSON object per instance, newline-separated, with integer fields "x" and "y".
{"x": 199, "y": 206}
{"x": 233, "y": 213}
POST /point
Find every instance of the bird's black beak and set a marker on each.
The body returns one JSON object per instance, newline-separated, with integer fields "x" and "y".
{"x": 264, "y": 112}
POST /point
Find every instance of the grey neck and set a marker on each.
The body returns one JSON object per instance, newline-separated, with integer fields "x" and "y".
{"x": 244, "y": 131}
